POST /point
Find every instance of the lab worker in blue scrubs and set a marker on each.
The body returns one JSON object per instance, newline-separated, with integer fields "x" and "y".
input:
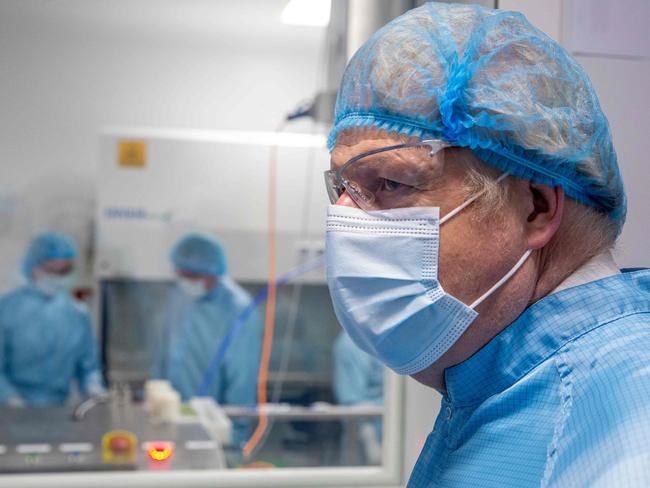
{"x": 475, "y": 201}
{"x": 358, "y": 381}
{"x": 46, "y": 339}
{"x": 205, "y": 305}
{"x": 358, "y": 377}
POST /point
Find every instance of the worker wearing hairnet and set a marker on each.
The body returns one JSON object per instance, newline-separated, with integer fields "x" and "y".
{"x": 358, "y": 377}
{"x": 45, "y": 336}
{"x": 476, "y": 198}
{"x": 205, "y": 306}
{"x": 359, "y": 380}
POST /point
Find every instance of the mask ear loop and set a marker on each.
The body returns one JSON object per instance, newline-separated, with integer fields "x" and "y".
{"x": 512, "y": 271}
{"x": 498, "y": 284}
{"x": 468, "y": 202}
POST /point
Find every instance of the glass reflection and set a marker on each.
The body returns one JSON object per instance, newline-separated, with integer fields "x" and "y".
{"x": 325, "y": 394}
{"x": 313, "y": 368}
{"x": 114, "y": 356}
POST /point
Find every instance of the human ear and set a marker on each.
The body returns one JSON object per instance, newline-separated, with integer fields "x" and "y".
{"x": 547, "y": 203}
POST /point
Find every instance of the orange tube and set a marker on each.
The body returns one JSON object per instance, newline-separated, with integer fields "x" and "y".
{"x": 269, "y": 321}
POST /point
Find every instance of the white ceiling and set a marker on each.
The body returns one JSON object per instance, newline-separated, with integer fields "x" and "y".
{"x": 249, "y": 22}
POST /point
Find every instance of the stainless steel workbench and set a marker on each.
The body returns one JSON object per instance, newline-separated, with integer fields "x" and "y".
{"x": 47, "y": 439}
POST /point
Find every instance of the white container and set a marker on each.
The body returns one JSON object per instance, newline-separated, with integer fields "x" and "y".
{"x": 168, "y": 406}
{"x": 213, "y": 418}
{"x": 152, "y": 390}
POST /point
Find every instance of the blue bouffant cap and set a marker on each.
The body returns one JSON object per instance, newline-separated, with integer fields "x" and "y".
{"x": 486, "y": 80}
{"x": 47, "y": 247}
{"x": 199, "y": 254}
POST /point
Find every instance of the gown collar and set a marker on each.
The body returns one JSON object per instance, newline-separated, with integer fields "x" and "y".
{"x": 596, "y": 268}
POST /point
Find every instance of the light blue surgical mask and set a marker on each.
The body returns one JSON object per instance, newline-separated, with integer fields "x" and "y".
{"x": 382, "y": 273}
{"x": 193, "y": 288}
{"x": 53, "y": 284}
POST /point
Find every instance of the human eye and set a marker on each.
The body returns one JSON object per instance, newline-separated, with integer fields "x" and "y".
{"x": 388, "y": 185}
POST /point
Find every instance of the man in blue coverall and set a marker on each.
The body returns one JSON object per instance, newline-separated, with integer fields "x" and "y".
{"x": 476, "y": 198}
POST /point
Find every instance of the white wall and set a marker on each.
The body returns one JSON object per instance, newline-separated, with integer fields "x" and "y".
{"x": 623, "y": 87}
{"x": 69, "y": 67}
{"x": 621, "y": 82}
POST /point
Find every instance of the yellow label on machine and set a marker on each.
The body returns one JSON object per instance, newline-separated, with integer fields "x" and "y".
{"x": 132, "y": 154}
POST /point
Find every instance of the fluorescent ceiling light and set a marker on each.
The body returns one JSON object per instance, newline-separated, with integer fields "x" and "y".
{"x": 307, "y": 12}
{"x": 250, "y": 138}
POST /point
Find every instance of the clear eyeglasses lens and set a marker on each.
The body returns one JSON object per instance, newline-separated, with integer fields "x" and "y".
{"x": 390, "y": 177}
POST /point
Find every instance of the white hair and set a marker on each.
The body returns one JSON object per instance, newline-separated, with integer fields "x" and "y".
{"x": 583, "y": 233}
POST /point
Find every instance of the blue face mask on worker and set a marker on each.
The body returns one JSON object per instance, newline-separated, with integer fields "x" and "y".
{"x": 193, "y": 288}
{"x": 382, "y": 273}
{"x": 53, "y": 284}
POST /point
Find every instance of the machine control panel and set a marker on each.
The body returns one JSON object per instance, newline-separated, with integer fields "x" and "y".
{"x": 49, "y": 440}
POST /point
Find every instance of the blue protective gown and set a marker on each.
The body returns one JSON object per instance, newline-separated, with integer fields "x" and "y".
{"x": 45, "y": 342}
{"x": 193, "y": 333}
{"x": 561, "y": 397}
{"x": 358, "y": 377}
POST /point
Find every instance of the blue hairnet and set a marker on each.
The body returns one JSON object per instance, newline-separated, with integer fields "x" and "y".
{"x": 47, "y": 247}
{"x": 489, "y": 81}
{"x": 199, "y": 254}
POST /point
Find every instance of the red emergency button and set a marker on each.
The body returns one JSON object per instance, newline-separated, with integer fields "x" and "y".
{"x": 159, "y": 450}
{"x": 119, "y": 445}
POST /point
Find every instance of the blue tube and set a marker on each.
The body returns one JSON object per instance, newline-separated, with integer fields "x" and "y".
{"x": 217, "y": 359}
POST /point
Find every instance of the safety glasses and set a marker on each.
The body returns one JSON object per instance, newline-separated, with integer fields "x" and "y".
{"x": 388, "y": 177}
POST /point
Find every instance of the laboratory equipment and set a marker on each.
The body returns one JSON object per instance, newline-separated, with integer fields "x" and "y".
{"x": 110, "y": 437}
{"x": 143, "y": 210}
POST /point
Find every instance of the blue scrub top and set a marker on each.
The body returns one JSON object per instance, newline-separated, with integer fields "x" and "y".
{"x": 45, "y": 343}
{"x": 194, "y": 332}
{"x": 358, "y": 377}
{"x": 561, "y": 397}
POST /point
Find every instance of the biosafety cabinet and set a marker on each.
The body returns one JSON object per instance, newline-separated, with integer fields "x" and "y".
{"x": 154, "y": 186}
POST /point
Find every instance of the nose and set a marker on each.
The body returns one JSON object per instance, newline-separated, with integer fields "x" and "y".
{"x": 346, "y": 201}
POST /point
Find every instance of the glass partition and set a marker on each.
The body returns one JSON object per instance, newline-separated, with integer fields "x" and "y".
{"x": 125, "y": 356}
